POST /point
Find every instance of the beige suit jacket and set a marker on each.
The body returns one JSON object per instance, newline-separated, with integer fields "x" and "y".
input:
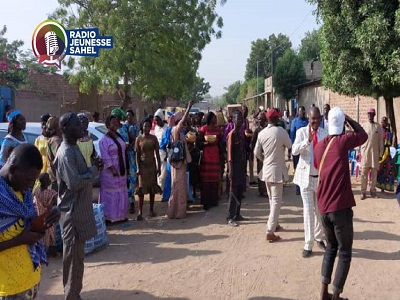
{"x": 270, "y": 148}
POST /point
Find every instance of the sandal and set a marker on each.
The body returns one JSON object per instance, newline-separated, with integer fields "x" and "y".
{"x": 139, "y": 217}
{"x": 271, "y": 237}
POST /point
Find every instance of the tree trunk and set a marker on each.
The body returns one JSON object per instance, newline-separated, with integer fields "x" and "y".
{"x": 287, "y": 105}
{"x": 392, "y": 120}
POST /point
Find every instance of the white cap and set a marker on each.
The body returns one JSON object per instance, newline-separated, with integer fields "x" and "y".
{"x": 336, "y": 120}
{"x": 160, "y": 113}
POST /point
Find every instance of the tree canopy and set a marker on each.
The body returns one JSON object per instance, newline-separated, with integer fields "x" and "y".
{"x": 261, "y": 50}
{"x": 360, "y": 48}
{"x": 289, "y": 73}
{"x": 157, "y": 44}
{"x": 232, "y": 93}
{"x": 310, "y": 47}
{"x": 11, "y": 72}
{"x": 197, "y": 91}
{"x": 15, "y": 64}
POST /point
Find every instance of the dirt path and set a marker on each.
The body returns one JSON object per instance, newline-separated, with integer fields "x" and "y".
{"x": 201, "y": 257}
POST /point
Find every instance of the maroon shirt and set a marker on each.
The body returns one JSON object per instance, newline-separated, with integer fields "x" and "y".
{"x": 334, "y": 189}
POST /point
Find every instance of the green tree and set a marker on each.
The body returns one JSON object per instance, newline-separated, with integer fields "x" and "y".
{"x": 12, "y": 74}
{"x": 198, "y": 90}
{"x": 232, "y": 93}
{"x": 289, "y": 73}
{"x": 360, "y": 48}
{"x": 261, "y": 51}
{"x": 310, "y": 47}
{"x": 249, "y": 88}
{"x": 157, "y": 44}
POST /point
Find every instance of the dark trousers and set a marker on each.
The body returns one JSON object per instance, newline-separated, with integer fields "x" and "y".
{"x": 235, "y": 201}
{"x": 262, "y": 188}
{"x": 73, "y": 266}
{"x": 338, "y": 227}
{"x": 295, "y": 162}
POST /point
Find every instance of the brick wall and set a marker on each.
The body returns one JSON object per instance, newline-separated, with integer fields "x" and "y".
{"x": 54, "y": 94}
{"x": 355, "y": 107}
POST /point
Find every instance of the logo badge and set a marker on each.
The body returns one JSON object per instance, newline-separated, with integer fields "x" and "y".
{"x": 50, "y": 43}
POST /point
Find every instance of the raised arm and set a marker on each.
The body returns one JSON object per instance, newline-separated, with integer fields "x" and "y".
{"x": 182, "y": 121}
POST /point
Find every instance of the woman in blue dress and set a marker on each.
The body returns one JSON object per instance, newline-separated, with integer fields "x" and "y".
{"x": 129, "y": 132}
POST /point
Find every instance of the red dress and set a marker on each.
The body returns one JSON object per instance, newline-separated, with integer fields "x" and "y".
{"x": 210, "y": 163}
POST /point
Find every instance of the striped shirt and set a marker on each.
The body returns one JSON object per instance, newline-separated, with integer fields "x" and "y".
{"x": 74, "y": 180}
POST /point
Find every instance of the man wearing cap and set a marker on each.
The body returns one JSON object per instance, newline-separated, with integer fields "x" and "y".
{"x": 335, "y": 198}
{"x": 299, "y": 122}
{"x": 159, "y": 131}
{"x": 371, "y": 153}
{"x": 306, "y": 177}
{"x": 270, "y": 148}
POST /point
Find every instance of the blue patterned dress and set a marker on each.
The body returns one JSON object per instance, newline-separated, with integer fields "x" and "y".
{"x": 132, "y": 176}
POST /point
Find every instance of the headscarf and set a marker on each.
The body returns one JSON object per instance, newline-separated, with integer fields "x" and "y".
{"x": 13, "y": 114}
{"x": 52, "y": 126}
{"x": 82, "y": 116}
{"x": 119, "y": 113}
{"x": 160, "y": 113}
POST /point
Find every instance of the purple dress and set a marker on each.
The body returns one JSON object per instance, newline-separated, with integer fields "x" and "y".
{"x": 113, "y": 189}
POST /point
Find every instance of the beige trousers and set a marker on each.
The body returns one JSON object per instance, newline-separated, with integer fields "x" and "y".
{"x": 275, "y": 192}
{"x": 364, "y": 179}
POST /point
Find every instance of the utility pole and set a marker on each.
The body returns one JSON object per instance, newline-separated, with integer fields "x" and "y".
{"x": 257, "y": 92}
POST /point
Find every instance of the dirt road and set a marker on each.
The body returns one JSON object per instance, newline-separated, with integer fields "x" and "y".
{"x": 201, "y": 257}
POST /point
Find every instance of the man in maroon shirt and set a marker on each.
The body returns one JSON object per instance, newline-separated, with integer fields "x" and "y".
{"x": 336, "y": 199}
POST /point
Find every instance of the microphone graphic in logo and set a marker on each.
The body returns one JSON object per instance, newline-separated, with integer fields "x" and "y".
{"x": 51, "y": 43}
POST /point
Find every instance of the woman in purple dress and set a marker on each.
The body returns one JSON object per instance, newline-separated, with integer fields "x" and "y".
{"x": 113, "y": 188}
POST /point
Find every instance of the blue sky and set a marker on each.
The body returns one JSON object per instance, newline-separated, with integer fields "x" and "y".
{"x": 224, "y": 60}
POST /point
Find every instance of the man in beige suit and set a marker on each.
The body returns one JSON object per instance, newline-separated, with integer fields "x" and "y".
{"x": 371, "y": 153}
{"x": 270, "y": 148}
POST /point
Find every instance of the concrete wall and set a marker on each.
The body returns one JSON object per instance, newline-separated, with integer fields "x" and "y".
{"x": 33, "y": 105}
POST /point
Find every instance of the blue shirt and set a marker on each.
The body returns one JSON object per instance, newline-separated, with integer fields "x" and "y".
{"x": 297, "y": 123}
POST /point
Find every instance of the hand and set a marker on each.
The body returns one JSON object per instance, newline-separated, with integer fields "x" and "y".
{"x": 230, "y": 175}
{"x": 53, "y": 216}
{"x": 191, "y": 102}
{"x": 138, "y": 173}
{"x": 310, "y": 135}
{"x": 98, "y": 163}
{"x": 28, "y": 237}
{"x": 114, "y": 171}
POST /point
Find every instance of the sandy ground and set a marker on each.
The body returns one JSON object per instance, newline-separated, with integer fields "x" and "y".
{"x": 201, "y": 257}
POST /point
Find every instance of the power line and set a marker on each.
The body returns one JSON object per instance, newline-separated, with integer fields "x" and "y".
{"x": 302, "y": 22}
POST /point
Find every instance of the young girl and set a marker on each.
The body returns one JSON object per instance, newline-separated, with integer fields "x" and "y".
{"x": 44, "y": 199}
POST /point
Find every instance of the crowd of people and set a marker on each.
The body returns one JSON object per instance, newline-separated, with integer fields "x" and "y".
{"x": 184, "y": 158}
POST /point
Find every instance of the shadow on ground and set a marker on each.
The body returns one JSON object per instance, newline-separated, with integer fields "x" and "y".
{"x": 107, "y": 294}
{"x": 376, "y": 255}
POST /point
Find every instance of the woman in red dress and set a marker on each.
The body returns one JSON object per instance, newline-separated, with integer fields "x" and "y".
{"x": 210, "y": 163}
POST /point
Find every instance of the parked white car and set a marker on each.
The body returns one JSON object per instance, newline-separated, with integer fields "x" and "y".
{"x": 33, "y": 130}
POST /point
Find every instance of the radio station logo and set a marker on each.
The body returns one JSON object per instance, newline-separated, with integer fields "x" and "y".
{"x": 51, "y": 42}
